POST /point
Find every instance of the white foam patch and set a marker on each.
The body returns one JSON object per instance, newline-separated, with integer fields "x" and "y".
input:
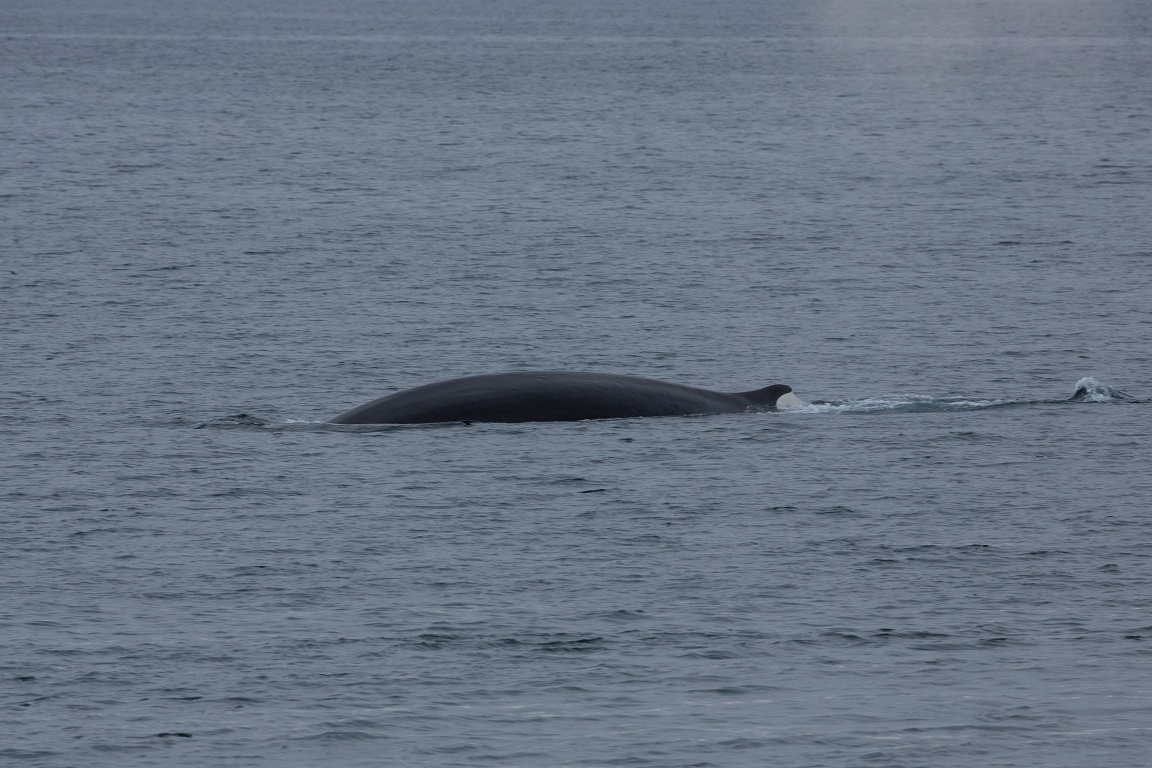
{"x": 789, "y": 401}
{"x": 897, "y": 403}
{"x": 867, "y": 404}
{"x": 1095, "y": 391}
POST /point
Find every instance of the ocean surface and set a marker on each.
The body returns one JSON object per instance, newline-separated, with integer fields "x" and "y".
{"x": 223, "y": 223}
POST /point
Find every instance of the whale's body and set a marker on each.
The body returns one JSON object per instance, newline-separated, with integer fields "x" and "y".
{"x": 553, "y": 396}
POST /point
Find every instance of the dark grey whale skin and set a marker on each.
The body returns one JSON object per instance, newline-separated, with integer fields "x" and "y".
{"x": 553, "y": 396}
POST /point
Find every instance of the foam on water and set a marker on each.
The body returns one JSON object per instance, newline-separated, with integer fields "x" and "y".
{"x": 1089, "y": 390}
{"x": 899, "y": 403}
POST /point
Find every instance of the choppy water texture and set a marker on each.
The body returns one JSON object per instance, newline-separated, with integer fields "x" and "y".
{"x": 228, "y": 222}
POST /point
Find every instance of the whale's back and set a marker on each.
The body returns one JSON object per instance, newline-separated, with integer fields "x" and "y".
{"x": 550, "y": 396}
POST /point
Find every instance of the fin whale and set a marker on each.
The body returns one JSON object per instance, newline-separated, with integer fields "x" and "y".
{"x": 553, "y": 396}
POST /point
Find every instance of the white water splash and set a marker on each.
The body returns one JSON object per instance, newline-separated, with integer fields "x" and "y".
{"x": 1089, "y": 390}
{"x": 789, "y": 402}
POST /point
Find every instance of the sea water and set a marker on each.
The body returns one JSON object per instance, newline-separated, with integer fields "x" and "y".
{"x": 224, "y": 223}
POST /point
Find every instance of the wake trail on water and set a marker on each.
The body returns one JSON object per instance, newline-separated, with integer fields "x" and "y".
{"x": 1088, "y": 390}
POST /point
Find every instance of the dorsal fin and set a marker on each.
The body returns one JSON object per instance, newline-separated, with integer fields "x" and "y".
{"x": 768, "y": 396}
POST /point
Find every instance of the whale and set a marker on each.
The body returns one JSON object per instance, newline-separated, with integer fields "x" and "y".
{"x": 524, "y": 396}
